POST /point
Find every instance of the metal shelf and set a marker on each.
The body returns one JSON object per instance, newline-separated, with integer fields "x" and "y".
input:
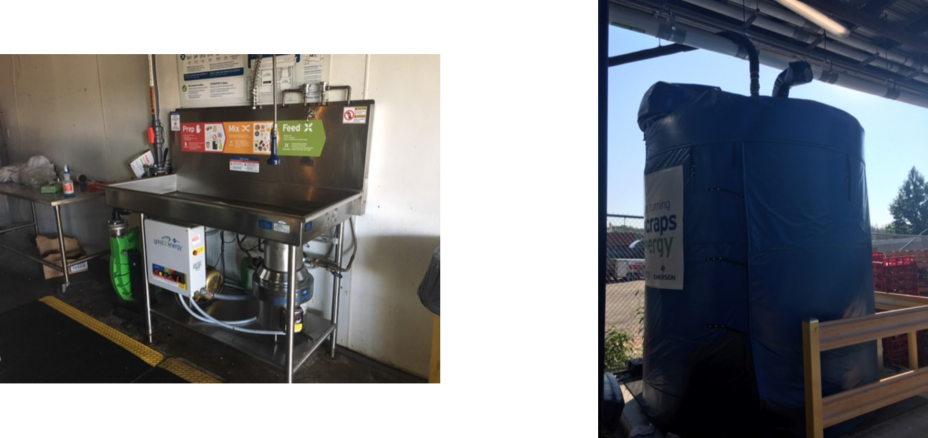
{"x": 261, "y": 347}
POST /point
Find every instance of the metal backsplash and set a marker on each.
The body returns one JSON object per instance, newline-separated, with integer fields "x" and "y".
{"x": 343, "y": 164}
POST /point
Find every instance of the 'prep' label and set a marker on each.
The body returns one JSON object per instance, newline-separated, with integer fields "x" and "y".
{"x": 663, "y": 228}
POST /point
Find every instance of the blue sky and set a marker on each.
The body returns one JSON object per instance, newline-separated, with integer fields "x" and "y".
{"x": 895, "y": 140}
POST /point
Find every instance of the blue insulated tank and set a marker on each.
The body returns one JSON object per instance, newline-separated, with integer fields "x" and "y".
{"x": 756, "y": 218}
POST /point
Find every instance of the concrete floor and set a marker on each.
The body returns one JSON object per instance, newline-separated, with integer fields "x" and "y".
{"x": 22, "y": 281}
{"x": 905, "y": 419}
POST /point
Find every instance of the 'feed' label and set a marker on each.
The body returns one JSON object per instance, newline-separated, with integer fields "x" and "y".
{"x": 663, "y": 228}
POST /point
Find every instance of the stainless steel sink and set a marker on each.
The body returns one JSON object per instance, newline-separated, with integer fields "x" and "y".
{"x": 291, "y": 203}
{"x": 288, "y": 213}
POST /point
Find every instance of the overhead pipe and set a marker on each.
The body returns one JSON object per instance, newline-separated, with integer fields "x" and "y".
{"x": 642, "y": 55}
{"x": 873, "y": 23}
{"x": 787, "y": 51}
{"x": 753, "y": 64}
{"x": 898, "y": 65}
{"x": 805, "y": 27}
{"x": 628, "y": 18}
{"x": 813, "y": 15}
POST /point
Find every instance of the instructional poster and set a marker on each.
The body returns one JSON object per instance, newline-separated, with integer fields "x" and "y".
{"x": 299, "y": 138}
{"x": 226, "y": 80}
{"x": 212, "y": 77}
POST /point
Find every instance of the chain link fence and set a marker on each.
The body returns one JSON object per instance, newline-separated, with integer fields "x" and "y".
{"x": 883, "y": 242}
{"x": 625, "y": 283}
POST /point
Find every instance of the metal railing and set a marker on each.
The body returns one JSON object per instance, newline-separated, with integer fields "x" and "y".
{"x": 908, "y": 314}
{"x": 624, "y": 281}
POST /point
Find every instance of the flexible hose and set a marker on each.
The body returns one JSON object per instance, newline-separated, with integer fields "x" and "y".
{"x": 212, "y": 320}
{"x": 227, "y": 297}
{"x": 798, "y": 73}
{"x": 240, "y": 322}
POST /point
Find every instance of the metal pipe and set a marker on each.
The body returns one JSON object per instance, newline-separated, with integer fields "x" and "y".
{"x": 642, "y": 55}
{"x": 64, "y": 257}
{"x": 626, "y": 17}
{"x": 274, "y": 160}
{"x": 901, "y": 64}
{"x": 156, "y": 136}
{"x": 31, "y": 257}
{"x": 302, "y": 91}
{"x": 813, "y": 15}
{"x": 35, "y": 219}
{"x": 291, "y": 308}
{"x": 605, "y": 16}
{"x": 145, "y": 279}
{"x": 873, "y": 23}
{"x": 775, "y": 11}
{"x": 753, "y": 64}
{"x": 18, "y": 227}
{"x": 337, "y": 283}
{"x": 347, "y": 88}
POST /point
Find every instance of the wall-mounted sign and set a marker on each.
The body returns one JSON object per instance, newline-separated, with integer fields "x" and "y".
{"x": 297, "y": 138}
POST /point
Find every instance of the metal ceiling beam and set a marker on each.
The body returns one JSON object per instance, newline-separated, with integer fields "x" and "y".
{"x": 641, "y": 55}
{"x": 918, "y": 27}
{"x": 870, "y": 22}
{"x": 876, "y": 7}
{"x": 646, "y": 22}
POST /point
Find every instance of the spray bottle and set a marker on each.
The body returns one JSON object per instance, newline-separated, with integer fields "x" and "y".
{"x": 67, "y": 185}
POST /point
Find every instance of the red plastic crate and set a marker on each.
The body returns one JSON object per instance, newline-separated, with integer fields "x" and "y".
{"x": 896, "y": 349}
{"x": 899, "y": 261}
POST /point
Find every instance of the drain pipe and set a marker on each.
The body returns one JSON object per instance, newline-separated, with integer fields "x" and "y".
{"x": 156, "y": 131}
{"x": 753, "y": 63}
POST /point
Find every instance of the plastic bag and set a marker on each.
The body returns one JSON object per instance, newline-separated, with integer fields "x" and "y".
{"x": 37, "y": 176}
{"x": 430, "y": 288}
{"x": 37, "y": 172}
{"x": 10, "y": 173}
{"x": 38, "y": 161}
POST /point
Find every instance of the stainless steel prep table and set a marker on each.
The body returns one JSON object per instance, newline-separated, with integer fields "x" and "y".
{"x": 56, "y": 201}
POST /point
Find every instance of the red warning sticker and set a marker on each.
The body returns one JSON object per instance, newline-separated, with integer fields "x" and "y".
{"x": 354, "y": 114}
{"x": 193, "y": 137}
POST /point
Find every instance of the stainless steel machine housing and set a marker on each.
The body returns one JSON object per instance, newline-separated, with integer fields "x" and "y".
{"x": 306, "y": 195}
{"x": 271, "y": 283}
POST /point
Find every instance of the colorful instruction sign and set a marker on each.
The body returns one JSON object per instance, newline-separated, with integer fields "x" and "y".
{"x": 301, "y": 139}
{"x": 297, "y": 138}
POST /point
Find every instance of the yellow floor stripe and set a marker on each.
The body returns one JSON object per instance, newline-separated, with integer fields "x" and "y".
{"x": 186, "y": 372}
{"x": 148, "y": 355}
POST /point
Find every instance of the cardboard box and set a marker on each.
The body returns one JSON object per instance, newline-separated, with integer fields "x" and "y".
{"x": 50, "y": 246}
{"x": 56, "y": 259}
{"x": 50, "y": 251}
